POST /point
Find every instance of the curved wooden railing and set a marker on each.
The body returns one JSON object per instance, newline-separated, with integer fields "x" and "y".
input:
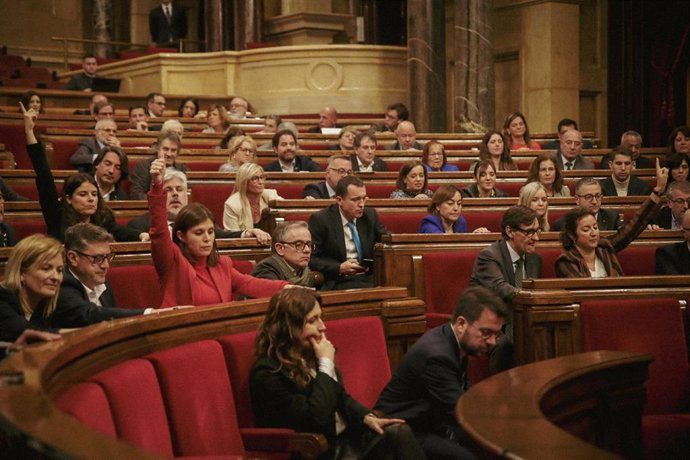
{"x": 560, "y": 408}
{"x": 30, "y": 422}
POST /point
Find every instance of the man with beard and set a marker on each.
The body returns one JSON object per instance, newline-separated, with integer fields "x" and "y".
{"x": 285, "y": 146}
{"x": 432, "y": 375}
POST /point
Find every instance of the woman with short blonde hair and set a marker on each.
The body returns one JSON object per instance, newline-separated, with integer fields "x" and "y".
{"x": 244, "y": 209}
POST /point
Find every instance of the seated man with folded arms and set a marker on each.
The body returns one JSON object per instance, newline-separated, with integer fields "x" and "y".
{"x": 432, "y": 375}
{"x": 503, "y": 265}
{"x": 622, "y": 182}
{"x": 678, "y": 196}
{"x": 588, "y": 196}
{"x": 285, "y": 147}
{"x": 86, "y": 297}
{"x": 339, "y": 166}
{"x": 674, "y": 259}
{"x": 168, "y": 145}
{"x": 110, "y": 170}
{"x": 290, "y": 256}
{"x": 104, "y": 135}
{"x": 364, "y": 159}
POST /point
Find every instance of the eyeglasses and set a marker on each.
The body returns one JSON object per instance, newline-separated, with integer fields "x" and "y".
{"x": 97, "y": 259}
{"x": 342, "y": 171}
{"x": 487, "y": 333}
{"x": 299, "y": 245}
{"x": 590, "y": 196}
{"x": 244, "y": 150}
{"x": 529, "y": 233}
{"x": 681, "y": 201}
{"x": 257, "y": 178}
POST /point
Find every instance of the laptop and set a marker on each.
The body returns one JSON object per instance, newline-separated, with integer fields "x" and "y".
{"x": 105, "y": 85}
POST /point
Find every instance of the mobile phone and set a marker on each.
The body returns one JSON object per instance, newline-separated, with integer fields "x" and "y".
{"x": 369, "y": 263}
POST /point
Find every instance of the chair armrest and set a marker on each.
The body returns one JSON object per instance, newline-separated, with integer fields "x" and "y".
{"x": 308, "y": 445}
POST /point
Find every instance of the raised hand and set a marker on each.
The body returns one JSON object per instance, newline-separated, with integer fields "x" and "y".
{"x": 661, "y": 177}
{"x": 30, "y": 117}
{"x": 157, "y": 170}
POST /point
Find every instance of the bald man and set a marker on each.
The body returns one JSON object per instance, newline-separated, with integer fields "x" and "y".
{"x": 328, "y": 118}
{"x": 407, "y": 137}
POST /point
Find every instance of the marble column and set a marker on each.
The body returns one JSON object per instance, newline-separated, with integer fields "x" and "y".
{"x": 473, "y": 73}
{"x": 102, "y": 25}
{"x": 214, "y": 25}
{"x": 248, "y": 19}
{"x": 426, "y": 64}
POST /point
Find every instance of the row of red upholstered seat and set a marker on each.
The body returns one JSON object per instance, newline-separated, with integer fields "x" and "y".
{"x": 193, "y": 400}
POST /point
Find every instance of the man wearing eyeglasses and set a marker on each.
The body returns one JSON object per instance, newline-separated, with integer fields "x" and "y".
{"x": 674, "y": 259}
{"x": 289, "y": 261}
{"x": 503, "y": 265}
{"x": 678, "y": 195}
{"x": 588, "y": 196}
{"x": 104, "y": 135}
{"x": 155, "y": 102}
{"x": 339, "y": 166}
{"x": 364, "y": 159}
{"x": 85, "y": 296}
{"x": 432, "y": 375}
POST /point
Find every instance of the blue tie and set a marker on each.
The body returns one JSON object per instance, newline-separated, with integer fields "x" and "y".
{"x": 355, "y": 237}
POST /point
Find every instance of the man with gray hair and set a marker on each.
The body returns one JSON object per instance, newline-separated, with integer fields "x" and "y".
{"x": 339, "y": 166}
{"x": 678, "y": 195}
{"x": 407, "y": 137}
{"x": 104, "y": 134}
{"x": 633, "y": 141}
{"x": 289, "y": 261}
{"x": 167, "y": 146}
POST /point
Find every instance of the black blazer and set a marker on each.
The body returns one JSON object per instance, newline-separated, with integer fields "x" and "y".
{"x": 8, "y": 237}
{"x": 494, "y": 270}
{"x": 379, "y": 164}
{"x": 427, "y": 384}
{"x": 396, "y": 146}
{"x": 606, "y": 220}
{"x": 328, "y": 238}
{"x": 164, "y": 33}
{"x": 673, "y": 259}
{"x": 12, "y": 320}
{"x": 75, "y": 310}
{"x": 83, "y": 157}
{"x": 142, "y": 224}
{"x": 140, "y": 179}
{"x": 317, "y": 190}
{"x": 636, "y": 187}
{"x": 302, "y": 163}
{"x": 664, "y": 218}
{"x": 580, "y": 162}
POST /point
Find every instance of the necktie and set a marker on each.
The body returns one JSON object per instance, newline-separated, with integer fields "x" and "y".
{"x": 167, "y": 13}
{"x": 355, "y": 238}
{"x": 518, "y": 272}
{"x": 569, "y": 165}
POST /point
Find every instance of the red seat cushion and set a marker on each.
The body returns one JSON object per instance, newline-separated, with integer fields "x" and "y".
{"x": 88, "y": 403}
{"x": 144, "y": 293}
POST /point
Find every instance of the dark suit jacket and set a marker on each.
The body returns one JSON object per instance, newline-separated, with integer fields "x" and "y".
{"x": 379, "y": 164}
{"x": 162, "y": 32}
{"x": 8, "y": 237}
{"x": 427, "y": 384}
{"x": 302, "y": 163}
{"x": 83, "y": 157}
{"x": 556, "y": 145}
{"x": 12, "y": 319}
{"x": 396, "y": 146}
{"x": 75, "y": 310}
{"x": 9, "y": 194}
{"x": 580, "y": 163}
{"x": 664, "y": 219}
{"x": 606, "y": 220}
{"x": 279, "y": 402}
{"x": 636, "y": 187}
{"x": 473, "y": 192}
{"x": 494, "y": 270}
{"x": 640, "y": 163}
{"x": 140, "y": 179}
{"x": 79, "y": 82}
{"x": 673, "y": 259}
{"x": 329, "y": 240}
{"x": 142, "y": 223}
{"x": 317, "y": 190}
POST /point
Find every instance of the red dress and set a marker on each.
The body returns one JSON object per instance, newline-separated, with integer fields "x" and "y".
{"x": 186, "y": 284}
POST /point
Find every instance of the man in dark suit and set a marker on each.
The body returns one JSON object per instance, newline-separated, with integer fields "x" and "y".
{"x": 84, "y": 81}
{"x": 167, "y": 24}
{"x": 364, "y": 159}
{"x": 503, "y": 265}
{"x": 110, "y": 169}
{"x": 105, "y": 135}
{"x": 407, "y": 138}
{"x": 328, "y": 118}
{"x": 674, "y": 259}
{"x": 85, "y": 295}
{"x": 678, "y": 195}
{"x": 344, "y": 235}
{"x": 285, "y": 146}
{"x": 339, "y": 166}
{"x": 633, "y": 141}
{"x": 395, "y": 113}
{"x": 168, "y": 146}
{"x": 621, "y": 182}
{"x": 570, "y": 152}
{"x": 432, "y": 375}
{"x": 588, "y": 196}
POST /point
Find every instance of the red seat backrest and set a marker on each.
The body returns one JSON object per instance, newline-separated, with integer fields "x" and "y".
{"x": 288, "y": 191}
{"x": 548, "y": 261}
{"x": 149, "y": 294}
{"x": 137, "y": 405}
{"x": 88, "y": 403}
{"x": 239, "y": 358}
{"x": 198, "y": 399}
{"x": 652, "y": 326}
{"x": 446, "y": 276}
{"x": 380, "y": 191}
{"x": 488, "y": 219}
{"x": 213, "y": 196}
{"x": 24, "y": 228}
{"x": 401, "y": 222}
{"x": 638, "y": 260}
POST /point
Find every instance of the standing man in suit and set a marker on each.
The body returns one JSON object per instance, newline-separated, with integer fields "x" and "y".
{"x": 339, "y": 166}
{"x": 678, "y": 195}
{"x": 674, "y": 259}
{"x": 432, "y": 375}
{"x": 104, "y": 135}
{"x": 285, "y": 146}
{"x": 364, "y": 159}
{"x": 503, "y": 265}
{"x": 84, "y": 80}
{"x": 588, "y": 196}
{"x": 570, "y": 152}
{"x": 621, "y": 182}
{"x": 407, "y": 137}
{"x": 86, "y": 297}
{"x": 167, "y": 24}
{"x": 344, "y": 235}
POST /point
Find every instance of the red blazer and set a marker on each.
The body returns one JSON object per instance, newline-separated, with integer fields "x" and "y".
{"x": 178, "y": 277}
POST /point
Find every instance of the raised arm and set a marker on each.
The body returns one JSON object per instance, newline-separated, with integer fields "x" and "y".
{"x": 162, "y": 247}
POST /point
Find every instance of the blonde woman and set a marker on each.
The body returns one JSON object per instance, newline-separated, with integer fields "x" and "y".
{"x": 245, "y": 207}
{"x": 534, "y": 196}
{"x": 242, "y": 150}
{"x": 29, "y": 292}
